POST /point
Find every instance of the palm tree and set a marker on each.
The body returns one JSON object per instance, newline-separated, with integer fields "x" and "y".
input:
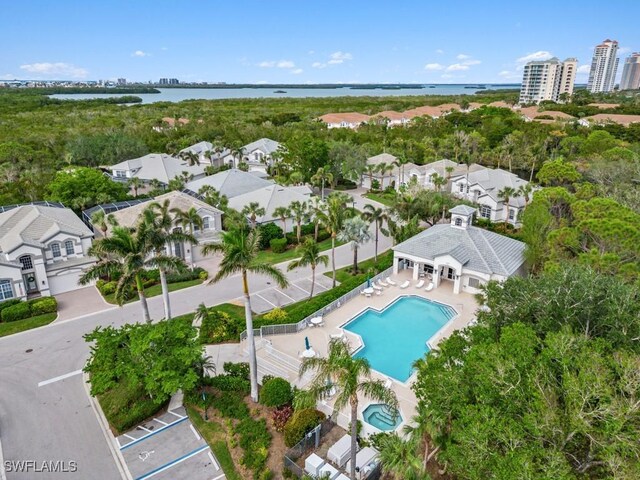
{"x": 282, "y": 213}
{"x": 128, "y": 253}
{"x": 310, "y": 256}
{"x": 400, "y": 163}
{"x": 135, "y": 183}
{"x": 189, "y": 219}
{"x": 300, "y": 213}
{"x": 155, "y": 184}
{"x": 237, "y": 153}
{"x": 333, "y": 218}
{"x": 377, "y": 216}
{"x": 239, "y": 249}
{"x": 253, "y": 210}
{"x": 385, "y": 168}
{"x": 505, "y": 195}
{"x": 351, "y": 376}
{"x": 158, "y": 217}
{"x": 438, "y": 181}
{"x": 213, "y": 197}
{"x": 322, "y": 175}
{"x": 423, "y": 431}
{"x": 102, "y": 220}
{"x": 316, "y": 208}
{"x": 525, "y": 191}
{"x": 192, "y": 158}
{"x": 356, "y": 231}
{"x": 371, "y": 170}
{"x": 398, "y": 458}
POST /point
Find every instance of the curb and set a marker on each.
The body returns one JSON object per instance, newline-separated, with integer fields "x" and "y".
{"x": 104, "y": 426}
{"x": 3, "y": 474}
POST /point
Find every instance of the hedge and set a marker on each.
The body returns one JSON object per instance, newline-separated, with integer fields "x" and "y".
{"x": 19, "y": 311}
{"x": 9, "y": 303}
{"x": 44, "y": 305}
{"x": 278, "y": 245}
{"x": 15, "y": 309}
{"x": 300, "y": 423}
{"x": 269, "y": 231}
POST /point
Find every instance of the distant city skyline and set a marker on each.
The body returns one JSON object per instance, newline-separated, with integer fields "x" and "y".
{"x": 294, "y": 42}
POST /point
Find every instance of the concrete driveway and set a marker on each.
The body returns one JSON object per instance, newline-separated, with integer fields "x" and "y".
{"x": 78, "y": 303}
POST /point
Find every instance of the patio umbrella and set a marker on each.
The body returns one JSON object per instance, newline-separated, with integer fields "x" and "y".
{"x": 306, "y": 343}
{"x": 368, "y": 282}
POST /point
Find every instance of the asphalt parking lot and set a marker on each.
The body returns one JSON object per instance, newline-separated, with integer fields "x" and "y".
{"x": 264, "y": 300}
{"x": 168, "y": 447}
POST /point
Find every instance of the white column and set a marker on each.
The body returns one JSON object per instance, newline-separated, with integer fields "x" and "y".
{"x": 396, "y": 261}
{"x": 457, "y": 283}
{"x": 416, "y": 268}
{"x": 436, "y": 275}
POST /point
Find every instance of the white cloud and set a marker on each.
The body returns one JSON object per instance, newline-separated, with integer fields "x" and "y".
{"x": 336, "y": 58}
{"x": 471, "y": 62}
{"x": 583, "y": 69}
{"x": 535, "y": 56}
{"x": 456, "y": 67}
{"x": 318, "y": 65}
{"x": 57, "y": 70}
{"x": 297, "y": 71}
{"x": 446, "y": 75}
{"x": 311, "y": 52}
{"x": 462, "y": 56}
{"x": 433, "y": 66}
{"x": 279, "y": 64}
{"x": 509, "y": 75}
{"x": 164, "y": 49}
{"x": 140, "y": 53}
{"x": 623, "y": 50}
{"x": 439, "y": 51}
{"x": 269, "y": 64}
{"x": 8, "y": 76}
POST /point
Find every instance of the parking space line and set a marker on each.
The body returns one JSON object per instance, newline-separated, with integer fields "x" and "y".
{"x": 194, "y": 432}
{"x": 318, "y": 284}
{"x": 161, "y": 429}
{"x": 175, "y": 414}
{"x": 173, "y": 463}
{"x": 60, "y": 377}
{"x": 160, "y": 421}
{"x": 273, "y": 304}
{"x": 213, "y": 461}
{"x": 218, "y": 477}
{"x": 145, "y": 429}
{"x": 129, "y": 436}
{"x": 292, "y": 299}
{"x": 300, "y": 288}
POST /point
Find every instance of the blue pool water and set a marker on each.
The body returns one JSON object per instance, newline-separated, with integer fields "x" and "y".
{"x": 396, "y": 337}
{"x": 382, "y": 417}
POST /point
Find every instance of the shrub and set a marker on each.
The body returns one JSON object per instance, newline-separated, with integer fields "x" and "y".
{"x": 300, "y": 423}
{"x": 217, "y": 327}
{"x": 278, "y": 245}
{"x": 106, "y": 288}
{"x": 276, "y": 392}
{"x": 291, "y": 238}
{"x": 203, "y": 275}
{"x": 230, "y": 405}
{"x": 9, "y": 303}
{"x": 151, "y": 275}
{"x": 268, "y": 231}
{"x": 19, "y": 311}
{"x": 266, "y": 378}
{"x": 193, "y": 274}
{"x": 308, "y": 229}
{"x": 323, "y": 235}
{"x": 227, "y": 383}
{"x": 255, "y": 441}
{"x": 240, "y": 370}
{"x": 43, "y": 305}
{"x": 281, "y": 416}
{"x": 277, "y": 315}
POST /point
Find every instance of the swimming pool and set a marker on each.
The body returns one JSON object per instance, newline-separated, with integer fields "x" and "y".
{"x": 396, "y": 337}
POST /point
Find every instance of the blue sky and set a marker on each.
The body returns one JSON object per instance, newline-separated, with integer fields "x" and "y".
{"x": 286, "y": 41}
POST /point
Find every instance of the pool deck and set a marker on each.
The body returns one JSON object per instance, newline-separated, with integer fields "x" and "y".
{"x": 280, "y": 354}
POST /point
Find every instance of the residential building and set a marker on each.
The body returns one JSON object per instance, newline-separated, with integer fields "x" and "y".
{"x": 169, "y": 81}
{"x": 43, "y": 251}
{"x": 259, "y": 154}
{"x": 211, "y": 222}
{"x": 122, "y": 81}
{"x": 547, "y": 80}
{"x": 270, "y": 198}
{"x": 344, "y": 120}
{"x": 425, "y": 175}
{"x": 604, "y": 118}
{"x": 604, "y": 65}
{"x": 386, "y": 179}
{"x": 208, "y": 154}
{"x": 484, "y": 187}
{"x": 533, "y": 113}
{"x": 391, "y": 117}
{"x": 230, "y": 183}
{"x": 155, "y": 166}
{"x": 631, "y": 73}
{"x": 460, "y": 253}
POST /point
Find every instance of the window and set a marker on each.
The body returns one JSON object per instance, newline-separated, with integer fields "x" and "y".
{"x": 205, "y": 223}
{"x": 6, "y": 291}
{"x": 68, "y": 246}
{"x": 461, "y": 188}
{"x": 474, "y": 282}
{"x": 120, "y": 173}
{"x": 26, "y": 262}
{"x": 458, "y": 222}
{"x": 55, "y": 250}
{"x": 512, "y": 214}
{"x": 485, "y": 211}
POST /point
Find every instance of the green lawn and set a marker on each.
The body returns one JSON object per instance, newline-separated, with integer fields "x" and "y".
{"x": 214, "y": 435}
{"x": 383, "y": 198}
{"x": 156, "y": 290}
{"x": 267, "y": 256}
{"x": 385, "y": 259}
{"x": 9, "y": 328}
{"x": 234, "y": 311}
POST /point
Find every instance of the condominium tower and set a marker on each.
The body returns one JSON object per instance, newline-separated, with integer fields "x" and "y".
{"x": 603, "y": 67}
{"x": 547, "y": 80}
{"x": 631, "y": 73}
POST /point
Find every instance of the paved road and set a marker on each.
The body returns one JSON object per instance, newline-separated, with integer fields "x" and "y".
{"x": 45, "y": 414}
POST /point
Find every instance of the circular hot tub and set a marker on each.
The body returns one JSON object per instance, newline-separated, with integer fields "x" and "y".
{"x": 382, "y": 417}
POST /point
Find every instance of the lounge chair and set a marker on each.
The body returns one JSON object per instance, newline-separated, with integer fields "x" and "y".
{"x": 337, "y": 336}
{"x": 379, "y": 292}
{"x": 382, "y": 283}
{"x": 340, "y": 452}
{"x": 391, "y": 282}
{"x": 420, "y": 284}
{"x": 405, "y": 284}
{"x": 375, "y": 287}
{"x": 429, "y": 287}
{"x": 388, "y": 383}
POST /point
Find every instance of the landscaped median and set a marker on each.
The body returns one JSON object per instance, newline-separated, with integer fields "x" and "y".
{"x": 17, "y": 315}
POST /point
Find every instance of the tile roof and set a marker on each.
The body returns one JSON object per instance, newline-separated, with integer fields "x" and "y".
{"x": 269, "y": 198}
{"x": 266, "y": 145}
{"x": 625, "y": 120}
{"x": 200, "y": 147}
{"x": 475, "y": 248}
{"x": 391, "y": 115}
{"x": 381, "y": 158}
{"x": 159, "y": 166}
{"x": 348, "y": 117}
{"x": 492, "y": 180}
{"x": 35, "y": 224}
{"x": 231, "y": 182}
{"x": 604, "y": 105}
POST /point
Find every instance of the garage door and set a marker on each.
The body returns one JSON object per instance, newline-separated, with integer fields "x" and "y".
{"x": 65, "y": 282}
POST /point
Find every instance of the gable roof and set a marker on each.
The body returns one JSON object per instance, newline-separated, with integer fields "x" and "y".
{"x": 230, "y": 183}
{"x": 381, "y": 158}
{"x": 475, "y": 248}
{"x": 129, "y": 217}
{"x": 533, "y": 112}
{"x": 625, "y": 120}
{"x": 200, "y": 147}
{"x": 266, "y": 145}
{"x": 160, "y": 166}
{"x": 391, "y": 115}
{"x": 348, "y": 117}
{"x": 492, "y": 180}
{"x": 35, "y": 224}
{"x": 269, "y": 198}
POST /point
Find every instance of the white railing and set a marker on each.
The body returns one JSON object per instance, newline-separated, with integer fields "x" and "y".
{"x": 287, "y": 328}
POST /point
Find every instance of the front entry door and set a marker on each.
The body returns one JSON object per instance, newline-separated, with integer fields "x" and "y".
{"x": 30, "y": 282}
{"x": 179, "y": 252}
{"x": 451, "y": 273}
